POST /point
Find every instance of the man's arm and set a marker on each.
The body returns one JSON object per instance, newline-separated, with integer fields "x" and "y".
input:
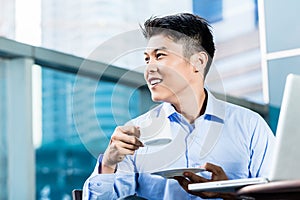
{"x": 111, "y": 186}
{"x": 261, "y": 148}
{"x": 106, "y": 182}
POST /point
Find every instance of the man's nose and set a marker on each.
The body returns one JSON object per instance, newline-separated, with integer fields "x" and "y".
{"x": 152, "y": 66}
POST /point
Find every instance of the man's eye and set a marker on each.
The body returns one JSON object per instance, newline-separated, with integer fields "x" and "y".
{"x": 147, "y": 59}
{"x": 158, "y": 55}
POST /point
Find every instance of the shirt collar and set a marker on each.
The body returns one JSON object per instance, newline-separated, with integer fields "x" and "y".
{"x": 215, "y": 108}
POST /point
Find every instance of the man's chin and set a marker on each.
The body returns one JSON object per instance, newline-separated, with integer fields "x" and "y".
{"x": 157, "y": 99}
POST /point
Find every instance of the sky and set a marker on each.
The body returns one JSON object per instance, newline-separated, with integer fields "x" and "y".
{"x": 28, "y": 21}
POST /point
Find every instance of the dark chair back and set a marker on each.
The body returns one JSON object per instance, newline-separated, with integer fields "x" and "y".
{"x": 77, "y": 194}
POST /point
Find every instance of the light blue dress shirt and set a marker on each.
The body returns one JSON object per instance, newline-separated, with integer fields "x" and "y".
{"x": 227, "y": 135}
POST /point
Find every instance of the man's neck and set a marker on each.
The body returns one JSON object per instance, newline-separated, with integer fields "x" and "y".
{"x": 191, "y": 108}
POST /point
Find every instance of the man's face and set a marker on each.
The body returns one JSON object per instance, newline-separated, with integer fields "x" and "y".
{"x": 168, "y": 73}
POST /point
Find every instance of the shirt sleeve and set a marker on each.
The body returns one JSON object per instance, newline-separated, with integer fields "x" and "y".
{"x": 261, "y": 149}
{"x": 111, "y": 186}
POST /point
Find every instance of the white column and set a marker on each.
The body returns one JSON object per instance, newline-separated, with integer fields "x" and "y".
{"x": 20, "y": 149}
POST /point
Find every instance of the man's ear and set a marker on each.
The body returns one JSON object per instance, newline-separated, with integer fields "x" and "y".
{"x": 199, "y": 61}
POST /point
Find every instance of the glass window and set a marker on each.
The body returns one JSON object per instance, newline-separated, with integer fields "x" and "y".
{"x": 79, "y": 115}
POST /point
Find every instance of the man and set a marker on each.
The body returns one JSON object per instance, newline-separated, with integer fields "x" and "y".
{"x": 229, "y": 141}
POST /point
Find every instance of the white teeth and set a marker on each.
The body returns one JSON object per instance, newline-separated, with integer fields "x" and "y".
{"x": 155, "y": 81}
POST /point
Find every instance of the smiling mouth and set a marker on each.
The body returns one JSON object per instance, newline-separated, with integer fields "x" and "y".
{"x": 155, "y": 81}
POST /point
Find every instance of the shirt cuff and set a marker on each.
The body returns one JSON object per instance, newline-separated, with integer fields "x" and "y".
{"x": 101, "y": 185}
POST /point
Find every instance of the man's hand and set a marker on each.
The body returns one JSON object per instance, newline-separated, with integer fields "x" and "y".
{"x": 217, "y": 174}
{"x": 124, "y": 141}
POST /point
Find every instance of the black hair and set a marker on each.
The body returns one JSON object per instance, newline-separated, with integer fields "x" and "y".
{"x": 187, "y": 27}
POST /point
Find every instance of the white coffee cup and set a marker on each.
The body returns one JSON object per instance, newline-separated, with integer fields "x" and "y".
{"x": 155, "y": 131}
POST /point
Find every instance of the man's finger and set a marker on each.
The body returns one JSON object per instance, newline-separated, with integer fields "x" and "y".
{"x": 215, "y": 169}
{"x": 130, "y": 130}
{"x": 131, "y": 147}
{"x": 182, "y": 181}
{"x": 128, "y": 139}
{"x": 184, "y": 184}
{"x": 194, "y": 178}
{"x": 217, "y": 172}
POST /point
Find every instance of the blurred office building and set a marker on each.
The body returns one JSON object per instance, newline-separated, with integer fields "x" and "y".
{"x": 79, "y": 27}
